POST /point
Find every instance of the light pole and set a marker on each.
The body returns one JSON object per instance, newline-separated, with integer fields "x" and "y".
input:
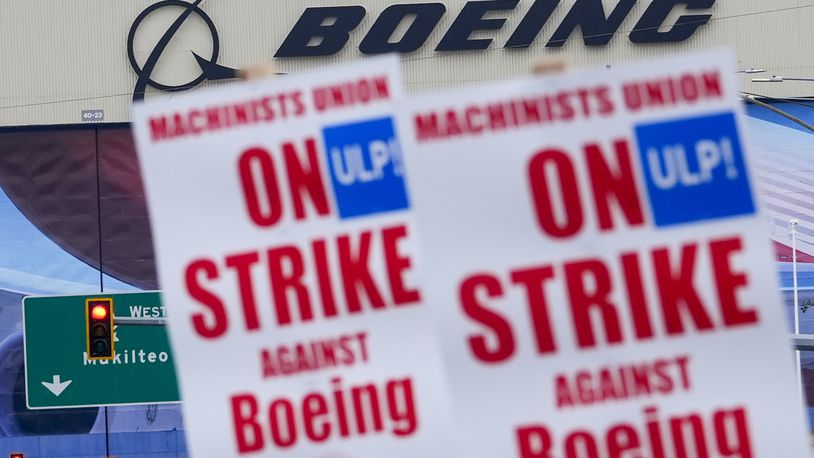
{"x": 793, "y": 232}
{"x": 792, "y": 223}
{"x": 752, "y": 99}
{"x": 779, "y": 79}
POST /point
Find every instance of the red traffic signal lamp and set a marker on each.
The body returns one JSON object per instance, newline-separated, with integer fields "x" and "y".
{"x": 99, "y": 321}
{"x": 16, "y": 455}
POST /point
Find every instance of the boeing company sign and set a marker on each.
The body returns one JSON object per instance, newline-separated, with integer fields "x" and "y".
{"x": 407, "y": 27}
{"x": 210, "y": 70}
{"x": 331, "y": 27}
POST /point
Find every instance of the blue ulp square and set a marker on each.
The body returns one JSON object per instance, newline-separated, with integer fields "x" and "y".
{"x": 694, "y": 169}
{"x": 366, "y": 169}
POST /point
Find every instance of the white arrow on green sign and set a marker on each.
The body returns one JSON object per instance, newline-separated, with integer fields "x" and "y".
{"x": 58, "y": 372}
{"x": 57, "y": 386}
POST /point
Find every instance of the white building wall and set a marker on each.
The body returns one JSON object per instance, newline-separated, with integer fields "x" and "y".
{"x": 60, "y": 57}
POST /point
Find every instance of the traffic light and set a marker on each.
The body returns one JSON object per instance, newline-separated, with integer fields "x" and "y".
{"x": 16, "y": 455}
{"x": 99, "y": 319}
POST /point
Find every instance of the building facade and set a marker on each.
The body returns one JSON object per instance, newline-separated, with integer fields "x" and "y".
{"x": 74, "y": 56}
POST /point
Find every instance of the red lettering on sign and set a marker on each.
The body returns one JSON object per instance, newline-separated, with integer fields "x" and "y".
{"x": 619, "y": 185}
{"x": 159, "y": 129}
{"x": 488, "y": 285}
{"x": 356, "y": 411}
{"x": 212, "y": 119}
{"x": 281, "y": 422}
{"x": 589, "y": 287}
{"x": 688, "y": 89}
{"x": 269, "y": 212}
{"x": 247, "y": 431}
{"x": 728, "y": 282}
{"x": 397, "y": 263}
{"x": 563, "y": 196}
{"x": 316, "y": 355}
{"x": 557, "y": 201}
{"x": 533, "y": 283}
{"x": 299, "y": 279}
{"x": 508, "y": 114}
{"x": 314, "y": 409}
{"x": 286, "y": 269}
{"x": 622, "y": 439}
{"x": 305, "y": 179}
{"x": 534, "y": 442}
{"x": 355, "y": 268}
{"x": 580, "y": 444}
{"x": 621, "y": 382}
{"x": 677, "y": 435}
{"x": 242, "y": 264}
{"x": 261, "y": 185}
{"x": 326, "y": 289}
{"x": 631, "y": 268}
{"x": 353, "y": 93}
{"x": 677, "y": 289}
{"x": 216, "y": 324}
{"x": 578, "y": 275}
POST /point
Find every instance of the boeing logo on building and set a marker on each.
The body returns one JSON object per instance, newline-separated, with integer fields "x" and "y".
{"x": 324, "y": 31}
{"x": 408, "y": 27}
{"x": 209, "y": 68}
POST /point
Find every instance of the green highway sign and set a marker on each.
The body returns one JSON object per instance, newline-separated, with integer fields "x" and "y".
{"x": 59, "y": 373}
